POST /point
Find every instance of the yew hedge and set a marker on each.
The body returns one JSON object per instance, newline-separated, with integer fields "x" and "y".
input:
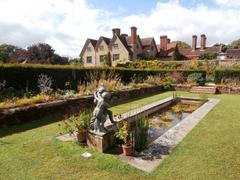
{"x": 26, "y": 76}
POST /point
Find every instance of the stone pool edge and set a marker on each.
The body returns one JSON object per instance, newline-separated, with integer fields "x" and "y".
{"x": 172, "y": 137}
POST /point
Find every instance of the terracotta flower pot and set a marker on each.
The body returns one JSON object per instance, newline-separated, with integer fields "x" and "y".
{"x": 82, "y": 135}
{"x": 127, "y": 149}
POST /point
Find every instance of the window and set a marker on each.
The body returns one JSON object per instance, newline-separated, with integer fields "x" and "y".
{"x": 116, "y": 57}
{"x": 89, "y": 59}
{"x": 102, "y": 58}
{"x": 89, "y": 49}
{"x": 115, "y": 46}
{"x": 101, "y": 48}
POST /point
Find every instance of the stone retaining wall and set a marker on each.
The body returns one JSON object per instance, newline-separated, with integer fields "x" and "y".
{"x": 20, "y": 115}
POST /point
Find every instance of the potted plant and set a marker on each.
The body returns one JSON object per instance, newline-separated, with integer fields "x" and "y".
{"x": 123, "y": 134}
{"x": 78, "y": 125}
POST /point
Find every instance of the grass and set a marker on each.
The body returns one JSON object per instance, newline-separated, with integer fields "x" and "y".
{"x": 210, "y": 151}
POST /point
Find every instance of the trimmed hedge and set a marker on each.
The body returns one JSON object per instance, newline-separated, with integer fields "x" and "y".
{"x": 26, "y": 76}
{"x": 221, "y": 74}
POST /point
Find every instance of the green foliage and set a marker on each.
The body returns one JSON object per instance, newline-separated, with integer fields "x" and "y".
{"x": 208, "y": 56}
{"x": 22, "y": 76}
{"x": 167, "y": 82}
{"x": 76, "y": 61}
{"x": 182, "y": 44}
{"x": 5, "y": 52}
{"x": 123, "y": 132}
{"x": 107, "y": 60}
{"x": 141, "y": 133}
{"x": 221, "y": 75}
{"x": 166, "y": 117}
{"x": 196, "y": 78}
{"x": 234, "y": 44}
{"x": 76, "y": 123}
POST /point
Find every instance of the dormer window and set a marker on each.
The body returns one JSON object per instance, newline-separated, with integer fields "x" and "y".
{"x": 89, "y": 49}
{"x": 101, "y": 48}
{"x": 115, "y": 46}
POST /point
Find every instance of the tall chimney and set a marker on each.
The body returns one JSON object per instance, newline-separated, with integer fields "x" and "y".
{"x": 194, "y": 42}
{"x": 203, "y": 41}
{"x": 116, "y": 31}
{"x": 163, "y": 42}
{"x": 133, "y": 35}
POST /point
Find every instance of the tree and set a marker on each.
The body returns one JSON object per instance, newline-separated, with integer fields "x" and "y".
{"x": 107, "y": 60}
{"x": 44, "y": 54}
{"x": 234, "y": 44}
{"x": 18, "y": 56}
{"x": 40, "y": 53}
{"x": 182, "y": 44}
{"x": 208, "y": 56}
{"x": 5, "y": 52}
{"x": 76, "y": 62}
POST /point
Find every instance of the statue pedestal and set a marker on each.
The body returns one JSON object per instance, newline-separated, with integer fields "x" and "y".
{"x": 100, "y": 141}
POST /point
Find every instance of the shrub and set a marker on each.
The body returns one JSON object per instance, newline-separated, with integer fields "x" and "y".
{"x": 167, "y": 82}
{"x": 76, "y": 123}
{"x": 227, "y": 76}
{"x": 196, "y": 78}
{"x": 208, "y": 56}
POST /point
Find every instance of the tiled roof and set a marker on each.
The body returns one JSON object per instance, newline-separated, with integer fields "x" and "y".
{"x": 188, "y": 52}
{"x": 172, "y": 45}
{"x": 107, "y": 40}
{"x": 93, "y": 41}
{"x": 233, "y": 53}
{"x": 147, "y": 41}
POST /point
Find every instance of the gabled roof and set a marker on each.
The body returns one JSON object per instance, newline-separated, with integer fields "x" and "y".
{"x": 123, "y": 40}
{"x": 102, "y": 38}
{"x": 92, "y": 41}
{"x": 233, "y": 53}
{"x": 188, "y": 52}
{"x": 171, "y": 45}
{"x": 128, "y": 39}
{"x": 147, "y": 41}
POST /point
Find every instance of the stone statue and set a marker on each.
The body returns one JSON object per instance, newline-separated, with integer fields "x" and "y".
{"x": 101, "y": 110}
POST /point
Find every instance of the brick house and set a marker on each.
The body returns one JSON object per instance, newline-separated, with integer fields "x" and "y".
{"x": 121, "y": 47}
{"x": 194, "y": 52}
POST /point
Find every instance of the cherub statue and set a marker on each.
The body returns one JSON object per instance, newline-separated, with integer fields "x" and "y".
{"x": 101, "y": 110}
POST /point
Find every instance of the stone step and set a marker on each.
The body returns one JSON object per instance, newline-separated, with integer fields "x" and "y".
{"x": 203, "y": 89}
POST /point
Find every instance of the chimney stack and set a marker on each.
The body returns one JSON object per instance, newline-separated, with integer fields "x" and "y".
{"x": 116, "y": 31}
{"x": 133, "y": 35}
{"x": 168, "y": 40}
{"x": 203, "y": 41}
{"x": 163, "y": 42}
{"x": 194, "y": 42}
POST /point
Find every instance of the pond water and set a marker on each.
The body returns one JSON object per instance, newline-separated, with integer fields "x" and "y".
{"x": 163, "y": 120}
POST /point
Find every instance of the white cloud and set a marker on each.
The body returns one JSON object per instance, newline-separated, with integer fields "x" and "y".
{"x": 228, "y": 3}
{"x": 66, "y": 24}
{"x": 180, "y": 23}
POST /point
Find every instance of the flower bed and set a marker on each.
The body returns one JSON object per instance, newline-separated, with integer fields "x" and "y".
{"x": 34, "y": 112}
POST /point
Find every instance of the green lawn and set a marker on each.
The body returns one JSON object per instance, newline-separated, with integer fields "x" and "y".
{"x": 210, "y": 151}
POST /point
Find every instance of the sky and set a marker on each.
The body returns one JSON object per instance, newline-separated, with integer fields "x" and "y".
{"x": 66, "y": 24}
